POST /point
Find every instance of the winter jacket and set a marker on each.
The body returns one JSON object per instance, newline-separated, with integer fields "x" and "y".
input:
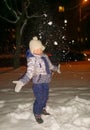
{"x": 39, "y": 69}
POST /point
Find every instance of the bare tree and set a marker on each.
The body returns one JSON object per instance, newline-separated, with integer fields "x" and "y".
{"x": 18, "y": 15}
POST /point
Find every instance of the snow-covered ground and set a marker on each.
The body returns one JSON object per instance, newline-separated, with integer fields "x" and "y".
{"x": 68, "y": 104}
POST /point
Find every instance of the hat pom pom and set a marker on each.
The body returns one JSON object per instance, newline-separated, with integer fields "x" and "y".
{"x": 35, "y": 38}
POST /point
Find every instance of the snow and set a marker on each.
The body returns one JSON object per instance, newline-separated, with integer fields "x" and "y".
{"x": 68, "y": 103}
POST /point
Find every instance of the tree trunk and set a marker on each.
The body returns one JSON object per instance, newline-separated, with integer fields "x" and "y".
{"x": 18, "y": 43}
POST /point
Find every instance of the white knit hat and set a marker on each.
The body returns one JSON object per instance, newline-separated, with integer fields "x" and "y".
{"x": 35, "y": 44}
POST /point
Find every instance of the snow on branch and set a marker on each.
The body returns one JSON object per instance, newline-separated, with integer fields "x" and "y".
{"x": 8, "y": 20}
{"x": 36, "y": 16}
{"x": 27, "y": 4}
{"x": 21, "y": 30}
{"x": 11, "y": 9}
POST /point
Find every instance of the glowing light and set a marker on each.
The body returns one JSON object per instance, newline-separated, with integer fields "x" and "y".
{"x": 63, "y": 37}
{"x": 85, "y": 54}
{"x": 45, "y": 15}
{"x": 73, "y": 41}
{"x": 86, "y": 38}
{"x": 85, "y": 0}
{"x": 61, "y": 9}
{"x": 55, "y": 43}
{"x": 50, "y": 23}
{"x": 65, "y": 21}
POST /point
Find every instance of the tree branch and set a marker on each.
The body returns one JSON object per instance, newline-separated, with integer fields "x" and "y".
{"x": 27, "y": 4}
{"x": 24, "y": 24}
{"x": 17, "y": 10}
{"x": 36, "y": 16}
{"x": 8, "y": 20}
{"x": 10, "y": 9}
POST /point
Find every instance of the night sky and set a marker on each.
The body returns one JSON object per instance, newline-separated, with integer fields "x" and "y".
{"x": 71, "y": 15}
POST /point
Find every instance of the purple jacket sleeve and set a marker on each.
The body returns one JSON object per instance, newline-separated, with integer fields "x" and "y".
{"x": 52, "y": 67}
{"x": 30, "y": 71}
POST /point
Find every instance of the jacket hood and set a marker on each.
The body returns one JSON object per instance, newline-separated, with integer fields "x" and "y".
{"x": 29, "y": 54}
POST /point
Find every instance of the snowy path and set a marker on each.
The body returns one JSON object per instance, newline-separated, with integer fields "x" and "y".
{"x": 69, "y": 108}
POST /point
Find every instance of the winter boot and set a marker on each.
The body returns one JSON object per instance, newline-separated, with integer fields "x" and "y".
{"x": 44, "y": 112}
{"x": 38, "y": 119}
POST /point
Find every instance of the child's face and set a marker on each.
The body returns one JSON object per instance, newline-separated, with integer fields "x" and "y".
{"x": 38, "y": 51}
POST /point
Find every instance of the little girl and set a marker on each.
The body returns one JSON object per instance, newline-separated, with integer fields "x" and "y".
{"x": 39, "y": 70}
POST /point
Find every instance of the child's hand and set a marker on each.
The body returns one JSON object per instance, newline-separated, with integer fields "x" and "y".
{"x": 18, "y": 86}
{"x": 58, "y": 70}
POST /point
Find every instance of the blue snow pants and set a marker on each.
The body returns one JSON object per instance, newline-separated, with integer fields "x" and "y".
{"x": 41, "y": 92}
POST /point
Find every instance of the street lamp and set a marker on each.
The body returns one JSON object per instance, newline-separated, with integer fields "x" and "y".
{"x": 61, "y": 9}
{"x": 85, "y": 0}
{"x": 80, "y": 9}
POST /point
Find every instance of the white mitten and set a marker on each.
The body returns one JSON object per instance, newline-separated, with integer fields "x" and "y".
{"x": 18, "y": 86}
{"x": 58, "y": 70}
